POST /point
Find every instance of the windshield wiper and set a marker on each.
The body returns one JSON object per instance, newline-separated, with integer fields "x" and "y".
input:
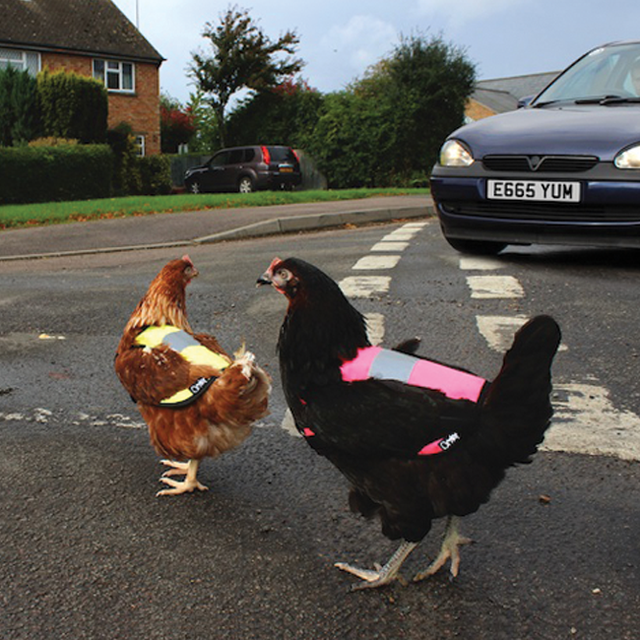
{"x": 604, "y": 100}
{"x": 539, "y": 105}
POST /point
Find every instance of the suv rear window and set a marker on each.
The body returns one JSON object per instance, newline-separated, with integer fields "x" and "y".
{"x": 278, "y": 154}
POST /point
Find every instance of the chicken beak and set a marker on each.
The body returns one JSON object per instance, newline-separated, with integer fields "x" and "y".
{"x": 265, "y": 278}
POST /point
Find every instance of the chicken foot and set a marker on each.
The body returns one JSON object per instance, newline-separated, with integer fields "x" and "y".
{"x": 382, "y": 575}
{"x": 448, "y": 551}
{"x": 188, "y": 469}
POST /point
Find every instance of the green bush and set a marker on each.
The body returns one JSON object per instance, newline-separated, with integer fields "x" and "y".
{"x": 126, "y": 169}
{"x": 155, "y": 173}
{"x": 72, "y": 106}
{"x": 45, "y": 174}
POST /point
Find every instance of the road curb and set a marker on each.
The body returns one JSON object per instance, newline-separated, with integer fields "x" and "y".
{"x": 295, "y": 224}
{"x": 273, "y": 226}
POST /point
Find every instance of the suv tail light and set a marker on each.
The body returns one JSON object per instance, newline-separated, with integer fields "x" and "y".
{"x": 266, "y": 156}
{"x": 295, "y": 155}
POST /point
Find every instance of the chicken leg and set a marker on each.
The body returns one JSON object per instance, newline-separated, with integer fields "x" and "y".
{"x": 383, "y": 575}
{"x": 448, "y": 551}
{"x": 190, "y": 469}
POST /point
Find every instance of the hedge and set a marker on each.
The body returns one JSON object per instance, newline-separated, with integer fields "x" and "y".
{"x": 72, "y": 106}
{"x": 45, "y": 174}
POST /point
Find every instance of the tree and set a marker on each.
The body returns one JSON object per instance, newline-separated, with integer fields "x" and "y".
{"x": 177, "y": 125}
{"x": 206, "y": 138}
{"x": 285, "y": 114}
{"x": 430, "y": 81}
{"x": 19, "y": 111}
{"x": 386, "y": 129}
{"x": 243, "y": 57}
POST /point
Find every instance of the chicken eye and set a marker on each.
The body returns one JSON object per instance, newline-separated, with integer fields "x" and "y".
{"x": 283, "y": 273}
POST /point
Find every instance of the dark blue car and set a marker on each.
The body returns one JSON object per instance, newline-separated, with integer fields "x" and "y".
{"x": 564, "y": 169}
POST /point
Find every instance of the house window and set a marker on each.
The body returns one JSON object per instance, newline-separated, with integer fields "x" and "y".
{"x": 21, "y": 60}
{"x": 140, "y": 143}
{"x": 116, "y": 76}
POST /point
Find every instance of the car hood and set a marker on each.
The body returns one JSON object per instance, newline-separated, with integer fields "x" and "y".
{"x": 568, "y": 130}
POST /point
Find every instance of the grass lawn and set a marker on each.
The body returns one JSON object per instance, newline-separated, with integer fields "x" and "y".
{"x": 13, "y": 216}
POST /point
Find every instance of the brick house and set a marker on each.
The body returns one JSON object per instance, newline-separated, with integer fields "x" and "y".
{"x": 92, "y": 38}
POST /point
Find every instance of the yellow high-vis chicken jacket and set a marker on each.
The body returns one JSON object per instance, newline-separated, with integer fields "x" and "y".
{"x": 191, "y": 350}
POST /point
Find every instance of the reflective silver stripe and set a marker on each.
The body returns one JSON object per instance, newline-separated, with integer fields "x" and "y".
{"x": 392, "y": 365}
{"x": 179, "y": 340}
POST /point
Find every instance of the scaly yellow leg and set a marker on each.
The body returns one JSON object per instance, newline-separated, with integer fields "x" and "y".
{"x": 188, "y": 469}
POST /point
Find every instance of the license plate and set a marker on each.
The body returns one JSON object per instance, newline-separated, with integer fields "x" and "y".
{"x": 537, "y": 190}
{"x": 286, "y": 169}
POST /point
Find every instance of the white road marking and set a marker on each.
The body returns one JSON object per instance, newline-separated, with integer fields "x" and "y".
{"x": 495, "y": 287}
{"x": 364, "y": 286}
{"x": 289, "y": 424}
{"x": 390, "y": 246}
{"x": 375, "y": 263}
{"x": 125, "y": 422}
{"x": 480, "y": 264}
{"x": 585, "y": 421}
{"x": 498, "y": 330}
{"x": 375, "y": 327}
{"x": 12, "y": 417}
{"x": 400, "y": 235}
{"x": 43, "y": 416}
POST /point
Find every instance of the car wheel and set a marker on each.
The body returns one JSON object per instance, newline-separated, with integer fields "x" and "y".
{"x": 245, "y": 185}
{"x": 476, "y": 247}
{"x": 194, "y": 187}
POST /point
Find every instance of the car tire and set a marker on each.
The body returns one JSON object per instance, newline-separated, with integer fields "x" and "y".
{"x": 476, "y": 247}
{"x": 245, "y": 185}
{"x": 194, "y": 187}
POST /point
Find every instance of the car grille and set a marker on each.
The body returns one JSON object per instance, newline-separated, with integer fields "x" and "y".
{"x": 549, "y": 212}
{"x": 548, "y": 164}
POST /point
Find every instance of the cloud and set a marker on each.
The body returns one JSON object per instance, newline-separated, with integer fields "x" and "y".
{"x": 361, "y": 41}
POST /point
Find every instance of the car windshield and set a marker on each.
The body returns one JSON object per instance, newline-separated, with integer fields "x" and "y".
{"x": 607, "y": 75}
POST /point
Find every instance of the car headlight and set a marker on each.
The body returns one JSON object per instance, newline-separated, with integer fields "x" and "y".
{"x": 628, "y": 159}
{"x": 455, "y": 154}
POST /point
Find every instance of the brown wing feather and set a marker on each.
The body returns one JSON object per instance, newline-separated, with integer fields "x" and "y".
{"x": 212, "y": 344}
{"x": 217, "y": 421}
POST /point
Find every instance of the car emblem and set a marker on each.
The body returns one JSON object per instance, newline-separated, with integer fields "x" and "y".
{"x": 535, "y": 162}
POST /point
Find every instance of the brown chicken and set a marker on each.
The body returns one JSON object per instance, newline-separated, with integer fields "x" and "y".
{"x": 197, "y": 401}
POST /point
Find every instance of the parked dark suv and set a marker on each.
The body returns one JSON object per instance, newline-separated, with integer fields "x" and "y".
{"x": 246, "y": 169}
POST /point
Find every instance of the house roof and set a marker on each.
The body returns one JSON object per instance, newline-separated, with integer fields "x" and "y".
{"x": 502, "y": 94}
{"x": 86, "y": 26}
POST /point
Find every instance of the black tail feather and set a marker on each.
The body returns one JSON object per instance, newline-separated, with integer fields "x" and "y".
{"x": 517, "y": 409}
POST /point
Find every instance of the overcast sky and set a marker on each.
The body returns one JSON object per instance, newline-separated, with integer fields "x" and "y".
{"x": 339, "y": 39}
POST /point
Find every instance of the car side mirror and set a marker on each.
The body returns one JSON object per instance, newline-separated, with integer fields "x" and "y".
{"x": 525, "y": 102}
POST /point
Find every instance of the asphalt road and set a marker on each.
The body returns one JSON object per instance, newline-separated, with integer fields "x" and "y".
{"x": 88, "y": 551}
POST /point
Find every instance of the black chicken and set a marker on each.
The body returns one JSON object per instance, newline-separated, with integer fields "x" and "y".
{"x": 416, "y": 439}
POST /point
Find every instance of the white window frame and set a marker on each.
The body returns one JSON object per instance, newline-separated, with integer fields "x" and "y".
{"x": 114, "y": 69}
{"x": 140, "y": 143}
{"x": 19, "y": 64}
